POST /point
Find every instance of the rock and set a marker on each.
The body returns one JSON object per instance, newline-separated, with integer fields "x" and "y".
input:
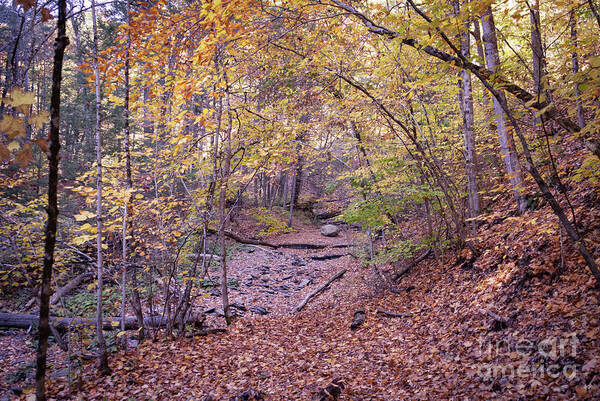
{"x": 249, "y": 395}
{"x": 258, "y": 310}
{"x": 359, "y": 319}
{"x": 238, "y": 306}
{"x": 330, "y": 230}
{"x": 304, "y": 283}
{"x": 298, "y": 261}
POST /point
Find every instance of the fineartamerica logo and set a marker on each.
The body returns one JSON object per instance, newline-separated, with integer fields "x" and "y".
{"x": 529, "y": 359}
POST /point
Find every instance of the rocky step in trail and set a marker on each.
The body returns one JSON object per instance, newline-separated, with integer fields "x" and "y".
{"x": 275, "y": 281}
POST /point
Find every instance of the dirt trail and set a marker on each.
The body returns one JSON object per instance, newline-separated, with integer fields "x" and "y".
{"x": 275, "y": 281}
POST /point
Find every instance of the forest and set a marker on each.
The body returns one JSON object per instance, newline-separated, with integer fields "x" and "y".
{"x": 299, "y": 200}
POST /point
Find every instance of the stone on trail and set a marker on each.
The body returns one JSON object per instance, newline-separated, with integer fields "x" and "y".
{"x": 330, "y": 230}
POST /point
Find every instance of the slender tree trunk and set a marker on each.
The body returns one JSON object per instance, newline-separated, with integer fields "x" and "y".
{"x": 102, "y": 357}
{"x": 507, "y": 144}
{"x": 480, "y": 52}
{"x": 11, "y": 64}
{"x": 83, "y": 89}
{"x": 286, "y": 187}
{"x": 50, "y": 235}
{"x": 298, "y": 180}
{"x": 594, "y": 11}
{"x": 575, "y": 63}
{"x": 466, "y": 103}
{"x": 540, "y": 89}
{"x": 222, "y": 213}
{"x": 127, "y": 227}
{"x": 292, "y": 195}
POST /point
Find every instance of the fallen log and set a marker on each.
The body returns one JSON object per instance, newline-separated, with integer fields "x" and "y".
{"x": 406, "y": 268}
{"x": 24, "y": 321}
{"x": 64, "y": 290}
{"x": 393, "y": 314}
{"x": 69, "y": 286}
{"x": 319, "y": 290}
{"x": 328, "y": 214}
{"x": 302, "y": 246}
{"x": 329, "y": 257}
{"x": 248, "y": 241}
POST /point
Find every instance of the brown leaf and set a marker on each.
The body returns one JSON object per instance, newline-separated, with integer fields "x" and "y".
{"x": 4, "y": 152}
{"x": 46, "y": 16}
{"x": 43, "y": 144}
{"x": 27, "y": 4}
{"x": 24, "y": 156}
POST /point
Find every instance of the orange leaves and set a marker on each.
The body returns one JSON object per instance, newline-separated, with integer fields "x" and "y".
{"x": 27, "y": 4}
{"x": 46, "y": 16}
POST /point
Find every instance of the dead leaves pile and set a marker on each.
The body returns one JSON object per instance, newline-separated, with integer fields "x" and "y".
{"x": 449, "y": 348}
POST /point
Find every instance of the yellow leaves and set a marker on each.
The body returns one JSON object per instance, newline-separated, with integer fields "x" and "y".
{"x": 116, "y": 100}
{"x": 84, "y": 215}
{"x": 19, "y": 98}
{"x": 14, "y": 146}
{"x": 12, "y": 126}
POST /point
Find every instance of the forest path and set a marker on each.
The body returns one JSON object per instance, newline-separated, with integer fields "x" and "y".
{"x": 433, "y": 352}
{"x": 274, "y": 281}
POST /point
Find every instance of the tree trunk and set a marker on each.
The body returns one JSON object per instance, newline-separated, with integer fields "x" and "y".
{"x": 575, "y": 63}
{"x": 127, "y": 227}
{"x": 222, "y": 196}
{"x": 102, "y": 357}
{"x": 297, "y": 183}
{"x": 50, "y": 233}
{"x": 480, "y": 52}
{"x": 83, "y": 89}
{"x": 507, "y": 144}
{"x": 292, "y": 196}
{"x": 594, "y": 11}
{"x": 466, "y": 103}
{"x": 538, "y": 59}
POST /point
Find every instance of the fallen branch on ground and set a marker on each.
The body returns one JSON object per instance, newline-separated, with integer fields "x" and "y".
{"x": 24, "y": 321}
{"x": 393, "y": 314}
{"x": 406, "y": 268}
{"x": 499, "y": 323}
{"x": 248, "y": 241}
{"x": 329, "y": 257}
{"x": 319, "y": 289}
